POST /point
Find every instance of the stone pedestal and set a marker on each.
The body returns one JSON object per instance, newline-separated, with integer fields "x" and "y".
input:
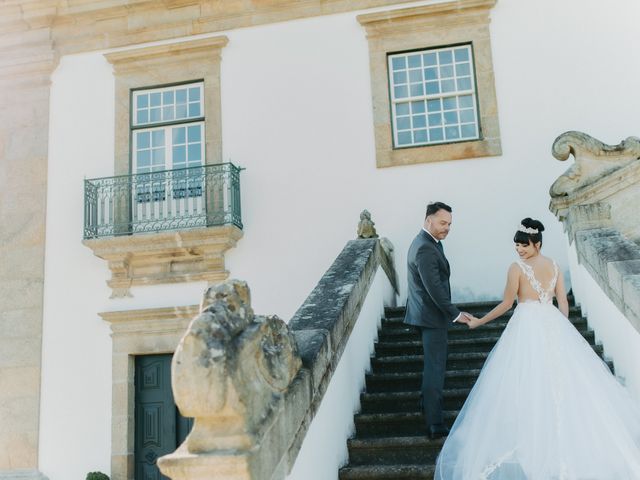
{"x": 230, "y": 372}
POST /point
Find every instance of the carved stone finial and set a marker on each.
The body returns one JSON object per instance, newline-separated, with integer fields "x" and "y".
{"x": 366, "y": 227}
{"x": 593, "y": 159}
{"x": 228, "y": 372}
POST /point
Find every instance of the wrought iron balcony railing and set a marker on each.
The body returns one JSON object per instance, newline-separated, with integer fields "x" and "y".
{"x": 202, "y": 196}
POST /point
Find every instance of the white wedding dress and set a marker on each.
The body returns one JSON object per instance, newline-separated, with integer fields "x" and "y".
{"x": 545, "y": 407}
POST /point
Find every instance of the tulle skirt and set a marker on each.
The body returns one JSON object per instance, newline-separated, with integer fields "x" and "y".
{"x": 545, "y": 407}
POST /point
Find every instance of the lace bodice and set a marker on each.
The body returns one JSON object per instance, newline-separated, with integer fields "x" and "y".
{"x": 544, "y": 295}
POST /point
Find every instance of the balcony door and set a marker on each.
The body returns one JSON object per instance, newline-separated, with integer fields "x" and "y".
{"x": 168, "y": 146}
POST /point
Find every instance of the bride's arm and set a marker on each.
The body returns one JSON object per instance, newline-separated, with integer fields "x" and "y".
{"x": 510, "y": 291}
{"x": 561, "y": 296}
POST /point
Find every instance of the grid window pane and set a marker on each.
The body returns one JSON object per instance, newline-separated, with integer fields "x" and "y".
{"x": 463, "y": 69}
{"x": 420, "y": 136}
{"x": 179, "y": 155}
{"x": 404, "y": 138}
{"x": 415, "y": 76}
{"x": 402, "y": 109}
{"x": 419, "y": 121}
{"x": 451, "y": 133}
{"x": 450, "y": 103}
{"x": 436, "y": 135}
{"x": 415, "y": 61}
{"x": 168, "y": 104}
{"x": 468, "y": 131}
{"x": 467, "y": 116}
{"x": 416, "y": 90}
{"x": 399, "y": 77}
{"x": 446, "y": 71}
{"x": 404, "y": 123}
{"x": 431, "y": 73}
{"x": 430, "y": 59}
{"x": 417, "y": 107}
{"x": 464, "y": 83}
{"x": 462, "y": 54}
{"x": 181, "y": 95}
{"x": 434, "y": 105}
{"x": 194, "y": 110}
{"x": 156, "y": 99}
{"x": 435, "y": 119}
{"x": 399, "y": 63}
{"x": 433, "y": 96}
{"x": 401, "y": 92}
{"x": 195, "y": 133}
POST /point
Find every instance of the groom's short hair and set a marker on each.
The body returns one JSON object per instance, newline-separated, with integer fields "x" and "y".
{"x": 435, "y": 206}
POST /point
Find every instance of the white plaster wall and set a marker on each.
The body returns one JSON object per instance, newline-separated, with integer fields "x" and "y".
{"x": 297, "y": 114}
{"x": 324, "y": 449}
{"x": 620, "y": 340}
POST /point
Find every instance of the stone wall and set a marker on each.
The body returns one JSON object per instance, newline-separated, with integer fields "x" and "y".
{"x": 26, "y": 61}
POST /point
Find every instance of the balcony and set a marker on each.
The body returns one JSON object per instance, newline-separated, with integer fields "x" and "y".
{"x": 164, "y": 227}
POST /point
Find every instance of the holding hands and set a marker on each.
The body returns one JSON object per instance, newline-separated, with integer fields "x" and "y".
{"x": 468, "y": 319}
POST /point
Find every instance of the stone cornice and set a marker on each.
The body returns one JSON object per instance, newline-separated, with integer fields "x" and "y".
{"x": 447, "y": 8}
{"x": 150, "y": 321}
{"x": 95, "y": 25}
{"x": 204, "y": 47}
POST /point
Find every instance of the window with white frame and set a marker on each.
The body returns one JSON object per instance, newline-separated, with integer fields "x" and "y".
{"x": 168, "y": 134}
{"x": 433, "y": 96}
{"x": 168, "y": 128}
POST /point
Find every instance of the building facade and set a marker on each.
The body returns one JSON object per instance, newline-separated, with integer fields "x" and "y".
{"x": 149, "y": 149}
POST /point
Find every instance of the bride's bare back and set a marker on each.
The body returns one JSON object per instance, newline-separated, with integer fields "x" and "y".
{"x": 537, "y": 280}
{"x": 521, "y": 284}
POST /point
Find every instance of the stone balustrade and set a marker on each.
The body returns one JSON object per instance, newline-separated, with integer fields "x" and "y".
{"x": 597, "y": 200}
{"x": 253, "y": 384}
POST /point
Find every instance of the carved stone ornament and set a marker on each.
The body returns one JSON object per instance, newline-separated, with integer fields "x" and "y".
{"x": 593, "y": 160}
{"x": 228, "y": 372}
{"x": 366, "y": 227}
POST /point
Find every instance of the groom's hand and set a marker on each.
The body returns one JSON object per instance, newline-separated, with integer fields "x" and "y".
{"x": 464, "y": 318}
{"x": 473, "y": 322}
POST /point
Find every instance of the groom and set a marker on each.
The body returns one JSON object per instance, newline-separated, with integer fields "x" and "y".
{"x": 430, "y": 309}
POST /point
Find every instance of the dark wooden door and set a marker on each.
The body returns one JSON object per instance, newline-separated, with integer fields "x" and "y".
{"x": 159, "y": 427}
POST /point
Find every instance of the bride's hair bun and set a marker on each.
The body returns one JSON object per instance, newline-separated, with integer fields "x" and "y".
{"x": 524, "y": 233}
{"x": 531, "y": 223}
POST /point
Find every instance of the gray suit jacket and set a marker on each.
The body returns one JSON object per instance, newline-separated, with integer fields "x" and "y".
{"x": 429, "y": 293}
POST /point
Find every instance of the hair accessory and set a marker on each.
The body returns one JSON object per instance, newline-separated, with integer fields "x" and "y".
{"x": 530, "y": 231}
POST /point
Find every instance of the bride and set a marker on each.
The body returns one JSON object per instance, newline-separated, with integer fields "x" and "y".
{"x": 545, "y": 406}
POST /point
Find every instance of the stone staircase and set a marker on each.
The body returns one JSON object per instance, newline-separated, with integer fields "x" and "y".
{"x": 390, "y": 441}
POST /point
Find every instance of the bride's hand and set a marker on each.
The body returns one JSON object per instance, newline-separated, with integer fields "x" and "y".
{"x": 473, "y": 322}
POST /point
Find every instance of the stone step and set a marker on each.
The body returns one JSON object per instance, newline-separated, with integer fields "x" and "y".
{"x": 456, "y": 345}
{"x": 455, "y": 361}
{"x": 410, "y": 381}
{"x": 387, "y": 472}
{"x": 403, "y": 450}
{"x": 401, "y": 332}
{"x": 471, "y": 307}
{"x": 395, "y": 402}
{"x": 574, "y": 312}
{"x": 394, "y": 424}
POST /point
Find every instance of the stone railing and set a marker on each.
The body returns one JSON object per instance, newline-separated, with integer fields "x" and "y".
{"x": 253, "y": 383}
{"x": 597, "y": 200}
